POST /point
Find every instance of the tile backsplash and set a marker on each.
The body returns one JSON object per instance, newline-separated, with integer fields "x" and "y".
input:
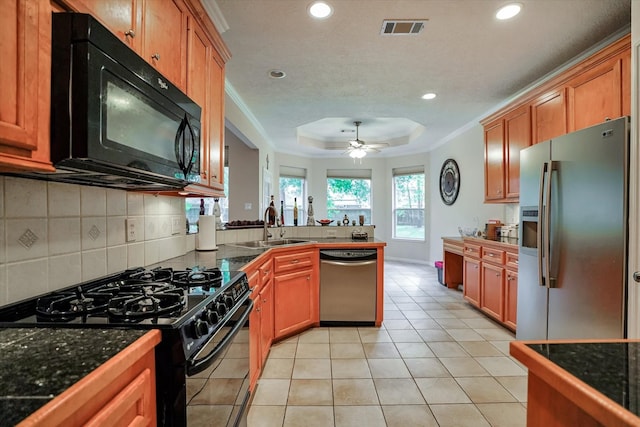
{"x": 54, "y": 235}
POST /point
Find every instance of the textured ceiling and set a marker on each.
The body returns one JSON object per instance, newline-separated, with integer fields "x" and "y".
{"x": 341, "y": 69}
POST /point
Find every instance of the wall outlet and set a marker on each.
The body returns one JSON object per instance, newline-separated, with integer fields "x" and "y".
{"x": 177, "y": 224}
{"x": 330, "y": 233}
{"x": 247, "y": 206}
{"x": 130, "y": 227}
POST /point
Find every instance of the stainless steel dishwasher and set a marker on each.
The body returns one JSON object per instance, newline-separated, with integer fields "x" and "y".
{"x": 348, "y": 283}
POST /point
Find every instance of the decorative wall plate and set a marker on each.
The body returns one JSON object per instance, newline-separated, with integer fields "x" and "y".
{"x": 449, "y": 181}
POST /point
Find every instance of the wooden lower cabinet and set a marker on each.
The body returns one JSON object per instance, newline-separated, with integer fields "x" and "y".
{"x": 471, "y": 280}
{"x": 296, "y": 302}
{"x": 492, "y": 295}
{"x": 490, "y": 274}
{"x": 120, "y": 392}
{"x": 261, "y": 318}
{"x": 511, "y": 299}
{"x": 266, "y": 318}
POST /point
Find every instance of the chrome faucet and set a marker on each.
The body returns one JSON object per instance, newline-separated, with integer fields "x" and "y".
{"x": 282, "y": 230}
{"x": 265, "y": 233}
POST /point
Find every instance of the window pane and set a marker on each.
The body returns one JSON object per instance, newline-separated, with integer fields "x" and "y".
{"x": 292, "y": 189}
{"x": 409, "y": 204}
{"x": 351, "y": 197}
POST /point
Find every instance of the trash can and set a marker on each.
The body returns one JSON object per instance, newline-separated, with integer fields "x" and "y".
{"x": 439, "y": 267}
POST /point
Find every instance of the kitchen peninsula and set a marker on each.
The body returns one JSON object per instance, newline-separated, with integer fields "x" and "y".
{"x": 581, "y": 383}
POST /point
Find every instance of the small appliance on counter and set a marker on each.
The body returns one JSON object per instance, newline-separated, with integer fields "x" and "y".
{"x": 359, "y": 235}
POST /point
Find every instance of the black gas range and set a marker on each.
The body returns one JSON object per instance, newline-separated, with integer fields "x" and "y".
{"x": 199, "y": 312}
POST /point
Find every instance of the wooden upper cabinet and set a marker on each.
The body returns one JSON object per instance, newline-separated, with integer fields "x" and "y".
{"x": 25, "y": 28}
{"x": 494, "y": 161}
{"x": 517, "y": 135}
{"x": 216, "y": 123}
{"x": 549, "y": 116}
{"x": 595, "y": 96}
{"x": 122, "y": 17}
{"x": 198, "y": 85}
{"x": 165, "y": 38}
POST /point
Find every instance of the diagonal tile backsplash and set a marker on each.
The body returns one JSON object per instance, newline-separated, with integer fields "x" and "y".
{"x": 53, "y": 235}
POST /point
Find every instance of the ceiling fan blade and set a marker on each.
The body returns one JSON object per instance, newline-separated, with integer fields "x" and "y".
{"x": 380, "y": 145}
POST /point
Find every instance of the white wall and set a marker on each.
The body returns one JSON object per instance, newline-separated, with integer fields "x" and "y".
{"x": 244, "y": 179}
{"x": 469, "y": 210}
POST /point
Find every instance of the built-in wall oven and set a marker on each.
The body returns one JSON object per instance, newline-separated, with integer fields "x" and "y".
{"x": 202, "y": 314}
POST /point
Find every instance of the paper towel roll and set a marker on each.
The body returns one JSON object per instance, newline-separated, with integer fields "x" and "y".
{"x": 206, "y": 238}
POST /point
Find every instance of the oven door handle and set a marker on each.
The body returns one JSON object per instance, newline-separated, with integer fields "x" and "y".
{"x": 205, "y": 362}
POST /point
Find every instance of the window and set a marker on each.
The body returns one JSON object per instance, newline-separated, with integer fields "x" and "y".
{"x": 292, "y": 188}
{"x": 408, "y": 203}
{"x": 349, "y": 193}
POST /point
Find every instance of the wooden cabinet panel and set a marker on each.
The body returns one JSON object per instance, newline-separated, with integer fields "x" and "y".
{"x": 595, "y": 96}
{"x": 293, "y": 302}
{"x": 25, "y": 31}
{"x": 215, "y": 140}
{"x": 471, "y": 280}
{"x": 511, "y": 299}
{"x": 471, "y": 250}
{"x": 122, "y": 17}
{"x": 549, "y": 116}
{"x": 266, "y": 319}
{"x": 517, "y": 135}
{"x": 493, "y": 255}
{"x": 165, "y": 38}
{"x": 494, "y": 161}
{"x": 294, "y": 261}
{"x": 492, "y": 293}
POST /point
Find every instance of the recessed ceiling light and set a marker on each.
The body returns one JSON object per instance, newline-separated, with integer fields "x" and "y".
{"x": 508, "y": 11}
{"x": 320, "y": 10}
{"x": 277, "y": 74}
{"x": 429, "y": 95}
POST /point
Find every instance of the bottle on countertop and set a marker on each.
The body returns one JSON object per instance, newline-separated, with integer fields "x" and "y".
{"x": 272, "y": 212}
{"x": 295, "y": 211}
{"x": 281, "y": 212}
{"x": 201, "y": 206}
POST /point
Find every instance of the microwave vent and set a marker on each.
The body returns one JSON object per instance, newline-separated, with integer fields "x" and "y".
{"x": 400, "y": 27}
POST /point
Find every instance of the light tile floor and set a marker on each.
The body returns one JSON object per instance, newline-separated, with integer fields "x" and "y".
{"x": 435, "y": 362}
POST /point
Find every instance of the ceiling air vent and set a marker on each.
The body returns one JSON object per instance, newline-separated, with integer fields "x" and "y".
{"x": 402, "y": 26}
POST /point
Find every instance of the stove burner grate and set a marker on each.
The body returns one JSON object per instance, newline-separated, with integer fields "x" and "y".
{"x": 140, "y": 300}
{"x": 64, "y": 306}
{"x": 206, "y": 279}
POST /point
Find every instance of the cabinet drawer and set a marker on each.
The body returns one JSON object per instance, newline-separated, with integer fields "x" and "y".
{"x": 493, "y": 255}
{"x": 266, "y": 271}
{"x": 512, "y": 260}
{"x": 472, "y": 250}
{"x": 453, "y": 248}
{"x": 293, "y": 261}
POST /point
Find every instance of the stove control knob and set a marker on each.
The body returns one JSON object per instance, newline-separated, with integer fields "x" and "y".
{"x": 212, "y": 316}
{"x": 221, "y": 309}
{"x": 228, "y": 301}
{"x": 200, "y": 328}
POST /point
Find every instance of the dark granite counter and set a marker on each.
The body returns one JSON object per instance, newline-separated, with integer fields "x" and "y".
{"x": 40, "y": 363}
{"x": 581, "y": 383}
{"x": 613, "y": 369}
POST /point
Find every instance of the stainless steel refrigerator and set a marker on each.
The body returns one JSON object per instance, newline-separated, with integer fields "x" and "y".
{"x": 572, "y": 265}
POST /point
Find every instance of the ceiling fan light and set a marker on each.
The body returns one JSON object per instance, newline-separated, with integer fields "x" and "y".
{"x": 357, "y": 153}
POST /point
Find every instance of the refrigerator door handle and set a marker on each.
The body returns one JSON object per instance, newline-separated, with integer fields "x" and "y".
{"x": 540, "y": 240}
{"x": 547, "y": 227}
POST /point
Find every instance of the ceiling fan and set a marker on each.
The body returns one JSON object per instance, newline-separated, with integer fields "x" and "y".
{"x": 358, "y": 148}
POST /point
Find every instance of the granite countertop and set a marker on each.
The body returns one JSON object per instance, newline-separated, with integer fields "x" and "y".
{"x": 231, "y": 258}
{"x": 38, "y": 364}
{"x": 611, "y": 368}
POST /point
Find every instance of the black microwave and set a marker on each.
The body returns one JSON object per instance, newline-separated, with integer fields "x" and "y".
{"x": 115, "y": 120}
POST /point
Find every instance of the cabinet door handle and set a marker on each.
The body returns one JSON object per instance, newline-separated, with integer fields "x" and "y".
{"x": 295, "y": 261}
{"x": 497, "y": 274}
{"x": 156, "y": 56}
{"x": 264, "y": 300}
{"x": 130, "y": 33}
{"x": 491, "y": 255}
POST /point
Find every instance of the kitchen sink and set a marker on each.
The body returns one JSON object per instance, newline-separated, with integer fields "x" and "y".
{"x": 258, "y": 244}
